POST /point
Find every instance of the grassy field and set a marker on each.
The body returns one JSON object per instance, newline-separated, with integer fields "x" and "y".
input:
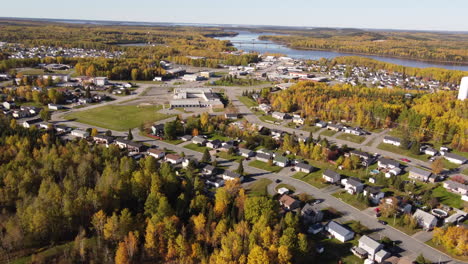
{"x": 264, "y": 166}
{"x": 118, "y": 117}
{"x": 328, "y": 133}
{"x": 247, "y": 101}
{"x": 314, "y": 178}
{"x": 449, "y": 165}
{"x": 350, "y": 199}
{"x": 284, "y": 185}
{"x": 465, "y": 171}
{"x": 336, "y": 251}
{"x": 351, "y": 138}
{"x": 448, "y": 198}
{"x": 195, "y": 147}
{"x": 258, "y": 187}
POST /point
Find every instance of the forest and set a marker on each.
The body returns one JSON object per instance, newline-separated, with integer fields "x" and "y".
{"x": 164, "y": 43}
{"x": 437, "y": 117}
{"x": 429, "y": 46}
{"x": 92, "y": 204}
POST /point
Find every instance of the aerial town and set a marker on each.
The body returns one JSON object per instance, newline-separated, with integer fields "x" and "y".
{"x": 336, "y": 162}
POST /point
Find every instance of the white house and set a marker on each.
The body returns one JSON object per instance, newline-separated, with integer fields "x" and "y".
{"x": 282, "y": 190}
{"x": 456, "y": 187}
{"x": 425, "y": 220}
{"x": 370, "y": 246}
{"x": 156, "y": 153}
{"x": 173, "y": 158}
{"x": 54, "y": 107}
{"x": 229, "y": 175}
{"x": 263, "y": 157}
{"x": 247, "y": 153}
{"x": 454, "y": 158}
{"x": 419, "y": 174}
{"x": 298, "y": 120}
{"x": 374, "y": 194}
{"x": 278, "y": 115}
{"x": 392, "y": 140}
{"x": 339, "y": 232}
{"x": 280, "y": 161}
{"x": 331, "y": 176}
{"x": 388, "y": 163}
{"x": 302, "y": 167}
{"x": 80, "y": 133}
{"x": 100, "y": 81}
{"x": 352, "y": 185}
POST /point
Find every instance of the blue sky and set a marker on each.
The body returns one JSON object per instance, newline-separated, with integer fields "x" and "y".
{"x": 394, "y": 14}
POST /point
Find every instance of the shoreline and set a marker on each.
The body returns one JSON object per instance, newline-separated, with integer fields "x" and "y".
{"x": 448, "y": 63}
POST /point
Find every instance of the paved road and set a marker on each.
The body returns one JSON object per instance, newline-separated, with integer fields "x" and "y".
{"x": 412, "y": 245}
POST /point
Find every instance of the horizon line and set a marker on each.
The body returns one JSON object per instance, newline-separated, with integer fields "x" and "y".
{"x": 224, "y": 25}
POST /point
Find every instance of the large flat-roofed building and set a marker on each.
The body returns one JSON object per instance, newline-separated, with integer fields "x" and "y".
{"x": 463, "y": 92}
{"x": 196, "y": 97}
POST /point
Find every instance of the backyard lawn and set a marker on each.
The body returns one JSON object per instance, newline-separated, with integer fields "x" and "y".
{"x": 118, "y": 117}
{"x": 351, "y": 138}
{"x": 258, "y": 187}
{"x": 403, "y": 228}
{"x": 226, "y": 156}
{"x": 264, "y": 166}
{"x": 448, "y": 198}
{"x": 398, "y": 150}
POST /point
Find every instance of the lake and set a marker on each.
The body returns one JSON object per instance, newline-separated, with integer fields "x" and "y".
{"x": 248, "y": 41}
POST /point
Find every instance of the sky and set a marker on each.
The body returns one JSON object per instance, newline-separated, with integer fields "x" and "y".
{"x": 391, "y": 14}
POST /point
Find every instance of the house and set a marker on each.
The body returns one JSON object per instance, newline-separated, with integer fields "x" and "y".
{"x": 321, "y": 124}
{"x": 173, "y": 158}
{"x": 247, "y": 153}
{"x": 32, "y": 122}
{"x": 392, "y": 140}
{"x": 281, "y": 161}
{"x": 370, "y": 246}
{"x": 100, "y": 81}
{"x": 199, "y": 140}
{"x": 45, "y": 125}
{"x": 231, "y": 116}
{"x": 430, "y": 151}
{"x": 156, "y": 153}
{"x": 229, "y": 175}
{"x": 279, "y": 115}
{"x": 339, "y": 232}
{"x": 288, "y": 202}
{"x": 282, "y": 191}
{"x": 374, "y": 194}
{"x": 207, "y": 74}
{"x": 302, "y": 167}
{"x": 216, "y": 182}
{"x": 365, "y": 157}
{"x": 315, "y": 228}
{"x": 298, "y": 120}
{"x": 265, "y": 108}
{"x": 158, "y": 130}
{"x": 276, "y": 133}
{"x": 192, "y": 78}
{"x": 354, "y": 131}
{"x": 103, "y": 139}
{"x": 456, "y": 187}
{"x": 21, "y": 114}
{"x": 393, "y": 172}
{"x": 457, "y": 217}
{"x": 388, "y": 163}
{"x": 226, "y": 146}
{"x": 214, "y": 144}
{"x": 9, "y": 105}
{"x": 425, "y": 220}
{"x": 131, "y": 146}
{"x": 402, "y": 206}
{"x": 208, "y": 170}
{"x": 186, "y": 162}
{"x": 54, "y": 107}
{"x": 310, "y": 214}
{"x": 302, "y": 138}
{"x": 331, "y": 176}
{"x": 381, "y": 255}
{"x": 454, "y": 158}
{"x": 419, "y": 174}
{"x": 187, "y": 138}
{"x": 263, "y": 157}
{"x": 62, "y": 129}
{"x": 334, "y": 127}
{"x": 79, "y": 133}
{"x": 352, "y": 185}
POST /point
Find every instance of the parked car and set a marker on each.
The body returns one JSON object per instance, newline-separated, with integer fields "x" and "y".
{"x": 405, "y": 160}
{"x": 277, "y": 180}
{"x": 382, "y": 222}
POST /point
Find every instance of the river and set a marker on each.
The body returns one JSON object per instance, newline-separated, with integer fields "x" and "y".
{"x": 248, "y": 41}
